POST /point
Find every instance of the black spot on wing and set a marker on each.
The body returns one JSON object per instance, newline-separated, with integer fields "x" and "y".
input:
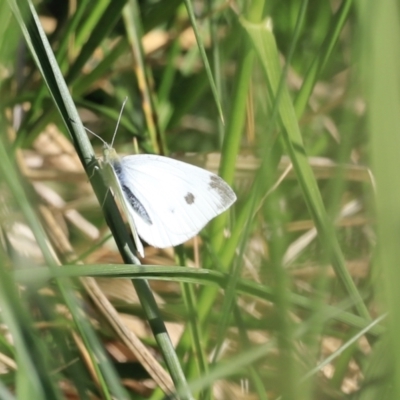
{"x": 222, "y": 188}
{"x": 189, "y": 198}
{"x": 136, "y": 204}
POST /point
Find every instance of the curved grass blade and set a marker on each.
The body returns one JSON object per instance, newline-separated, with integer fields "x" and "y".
{"x": 34, "y": 378}
{"x": 103, "y": 27}
{"x": 205, "y": 59}
{"x": 322, "y": 57}
{"x": 192, "y": 275}
{"x": 233, "y": 365}
{"x": 132, "y": 24}
{"x": 43, "y": 55}
{"x": 264, "y": 43}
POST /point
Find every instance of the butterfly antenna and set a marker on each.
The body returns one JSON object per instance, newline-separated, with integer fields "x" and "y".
{"x": 119, "y": 119}
{"x": 90, "y": 131}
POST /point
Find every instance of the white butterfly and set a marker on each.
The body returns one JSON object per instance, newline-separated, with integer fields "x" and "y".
{"x": 165, "y": 201}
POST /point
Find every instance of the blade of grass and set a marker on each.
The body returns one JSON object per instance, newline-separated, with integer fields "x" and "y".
{"x": 34, "y": 378}
{"x": 233, "y": 365}
{"x": 191, "y": 275}
{"x": 189, "y": 298}
{"x": 235, "y": 124}
{"x": 89, "y": 24}
{"x": 342, "y": 348}
{"x": 79, "y": 20}
{"x": 264, "y": 43}
{"x": 230, "y": 150}
{"x": 99, "y": 359}
{"x": 380, "y": 65}
{"x": 134, "y": 33}
{"x": 216, "y": 64}
{"x": 254, "y": 375}
{"x": 104, "y": 25}
{"x": 83, "y": 82}
{"x": 43, "y": 55}
{"x": 203, "y": 56}
{"x": 109, "y": 18}
{"x": 230, "y": 292}
{"x": 332, "y": 36}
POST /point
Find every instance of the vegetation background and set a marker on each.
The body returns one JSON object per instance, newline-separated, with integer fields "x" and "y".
{"x": 293, "y": 293}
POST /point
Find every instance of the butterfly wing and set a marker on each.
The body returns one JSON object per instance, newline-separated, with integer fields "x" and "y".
{"x": 112, "y": 180}
{"x": 171, "y": 201}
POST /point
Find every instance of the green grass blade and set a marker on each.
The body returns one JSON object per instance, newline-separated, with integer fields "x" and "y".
{"x": 342, "y": 348}
{"x": 204, "y": 58}
{"x": 322, "y": 56}
{"x": 33, "y": 379}
{"x": 47, "y": 64}
{"x": 192, "y": 275}
{"x": 235, "y": 123}
{"x": 381, "y": 62}
{"x": 264, "y": 43}
{"x": 103, "y": 27}
{"x": 134, "y": 33}
{"x": 233, "y": 365}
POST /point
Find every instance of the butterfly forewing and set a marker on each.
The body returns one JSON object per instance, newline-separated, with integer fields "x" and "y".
{"x": 179, "y": 198}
